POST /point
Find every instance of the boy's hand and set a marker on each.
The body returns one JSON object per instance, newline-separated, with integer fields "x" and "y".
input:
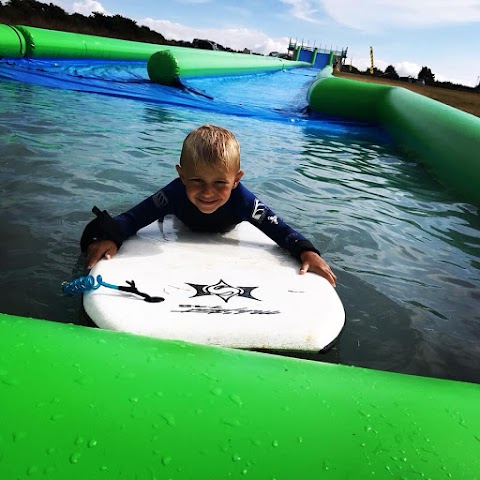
{"x": 313, "y": 262}
{"x": 100, "y": 249}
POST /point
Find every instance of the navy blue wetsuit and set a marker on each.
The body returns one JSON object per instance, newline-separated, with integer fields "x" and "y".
{"x": 242, "y": 205}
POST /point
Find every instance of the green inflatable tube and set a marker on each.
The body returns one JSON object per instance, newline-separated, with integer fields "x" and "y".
{"x": 12, "y": 42}
{"x": 444, "y": 139}
{"x": 42, "y": 43}
{"x": 84, "y": 403}
{"x": 167, "y": 66}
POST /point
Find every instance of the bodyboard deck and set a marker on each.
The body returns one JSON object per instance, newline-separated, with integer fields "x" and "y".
{"x": 237, "y": 289}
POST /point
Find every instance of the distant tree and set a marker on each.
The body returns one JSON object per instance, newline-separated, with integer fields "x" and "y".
{"x": 390, "y": 72}
{"x": 43, "y": 15}
{"x": 376, "y": 72}
{"x": 427, "y": 76}
{"x": 349, "y": 69}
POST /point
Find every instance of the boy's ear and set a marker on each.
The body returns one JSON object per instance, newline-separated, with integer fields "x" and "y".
{"x": 180, "y": 172}
{"x": 238, "y": 177}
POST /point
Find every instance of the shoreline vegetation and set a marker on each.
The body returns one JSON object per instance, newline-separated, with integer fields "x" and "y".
{"x": 49, "y": 16}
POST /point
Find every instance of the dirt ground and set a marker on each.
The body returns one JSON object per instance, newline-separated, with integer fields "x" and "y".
{"x": 466, "y": 101}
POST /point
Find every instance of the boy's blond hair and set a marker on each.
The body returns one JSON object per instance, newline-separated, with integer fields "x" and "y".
{"x": 212, "y": 146}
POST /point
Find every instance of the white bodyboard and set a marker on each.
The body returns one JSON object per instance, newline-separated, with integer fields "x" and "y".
{"x": 237, "y": 289}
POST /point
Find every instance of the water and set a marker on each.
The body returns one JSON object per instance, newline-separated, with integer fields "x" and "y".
{"x": 406, "y": 253}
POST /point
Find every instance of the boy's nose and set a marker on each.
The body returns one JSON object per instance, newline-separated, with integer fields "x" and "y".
{"x": 208, "y": 190}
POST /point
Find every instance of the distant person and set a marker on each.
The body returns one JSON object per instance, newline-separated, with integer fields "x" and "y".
{"x": 207, "y": 196}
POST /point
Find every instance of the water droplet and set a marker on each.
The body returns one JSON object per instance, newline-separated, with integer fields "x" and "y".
{"x": 217, "y": 391}
{"x": 300, "y": 439}
{"x": 233, "y": 422}
{"x": 51, "y": 450}
{"x": 79, "y": 441}
{"x": 275, "y": 443}
{"x": 236, "y": 399}
{"x": 75, "y": 457}
{"x": 244, "y": 471}
{"x": 82, "y": 380}
{"x": 19, "y": 436}
{"x": 236, "y": 457}
{"x": 133, "y": 400}
{"x": 92, "y": 443}
{"x": 9, "y": 381}
{"x": 166, "y": 460}
{"x": 32, "y": 470}
{"x": 169, "y": 418}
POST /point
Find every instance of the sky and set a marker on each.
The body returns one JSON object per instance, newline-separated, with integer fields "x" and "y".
{"x": 443, "y": 35}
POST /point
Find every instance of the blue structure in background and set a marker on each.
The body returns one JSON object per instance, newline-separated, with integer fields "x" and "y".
{"x": 318, "y": 57}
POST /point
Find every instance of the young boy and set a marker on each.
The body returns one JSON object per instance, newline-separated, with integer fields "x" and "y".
{"x": 207, "y": 196}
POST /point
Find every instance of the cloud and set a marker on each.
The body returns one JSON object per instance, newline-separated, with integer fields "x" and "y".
{"x": 303, "y": 10}
{"x": 406, "y": 69}
{"x": 193, "y": 2}
{"x": 235, "y": 38}
{"x": 384, "y": 14}
{"x": 403, "y": 68}
{"x": 86, "y": 7}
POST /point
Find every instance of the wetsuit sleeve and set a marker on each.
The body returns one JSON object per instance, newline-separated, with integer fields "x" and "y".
{"x": 268, "y": 222}
{"x": 128, "y": 223}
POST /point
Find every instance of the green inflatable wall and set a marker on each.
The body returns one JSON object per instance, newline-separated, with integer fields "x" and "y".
{"x": 84, "y": 403}
{"x": 166, "y": 64}
{"x": 444, "y": 139}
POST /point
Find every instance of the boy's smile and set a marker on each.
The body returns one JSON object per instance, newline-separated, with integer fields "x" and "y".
{"x": 209, "y": 188}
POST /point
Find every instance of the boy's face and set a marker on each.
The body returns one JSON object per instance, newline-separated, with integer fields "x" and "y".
{"x": 209, "y": 188}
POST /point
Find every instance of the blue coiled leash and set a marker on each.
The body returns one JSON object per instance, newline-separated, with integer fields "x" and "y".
{"x": 84, "y": 284}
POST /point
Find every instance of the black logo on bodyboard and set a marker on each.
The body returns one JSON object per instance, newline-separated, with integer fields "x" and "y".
{"x": 223, "y": 290}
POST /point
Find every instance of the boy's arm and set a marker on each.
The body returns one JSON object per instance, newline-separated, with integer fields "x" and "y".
{"x": 119, "y": 228}
{"x": 104, "y": 235}
{"x": 296, "y": 244}
{"x": 286, "y": 237}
